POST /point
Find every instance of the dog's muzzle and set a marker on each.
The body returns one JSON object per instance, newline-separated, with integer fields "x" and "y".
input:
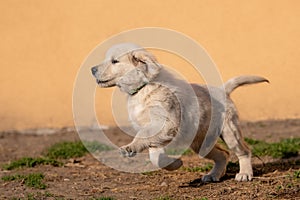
{"x": 94, "y": 70}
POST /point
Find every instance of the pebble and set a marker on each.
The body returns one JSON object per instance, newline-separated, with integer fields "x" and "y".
{"x": 163, "y": 184}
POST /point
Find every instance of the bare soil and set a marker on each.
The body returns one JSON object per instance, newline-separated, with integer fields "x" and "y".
{"x": 87, "y": 178}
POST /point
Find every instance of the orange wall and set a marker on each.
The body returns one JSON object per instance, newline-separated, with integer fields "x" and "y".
{"x": 43, "y": 44}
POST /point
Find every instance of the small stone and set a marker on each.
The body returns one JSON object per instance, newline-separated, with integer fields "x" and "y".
{"x": 163, "y": 184}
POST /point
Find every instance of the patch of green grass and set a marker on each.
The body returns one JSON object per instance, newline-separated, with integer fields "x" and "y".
{"x": 179, "y": 152}
{"x": 103, "y": 198}
{"x": 252, "y": 141}
{"x": 283, "y": 186}
{"x": 188, "y": 152}
{"x": 279, "y": 187}
{"x": 65, "y": 150}
{"x": 11, "y": 177}
{"x": 30, "y": 196}
{"x": 38, "y": 195}
{"x": 297, "y": 174}
{"x": 205, "y": 168}
{"x": 150, "y": 173}
{"x": 31, "y": 162}
{"x": 232, "y": 166}
{"x": 48, "y": 194}
{"x": 284, "y": 149}
{"x": 163, "y": 198}
{"x": 95, "y": 146}
{"x": 33, "y": 180}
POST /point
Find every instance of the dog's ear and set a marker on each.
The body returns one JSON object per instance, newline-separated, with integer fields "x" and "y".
{"x": 145, "y": 62}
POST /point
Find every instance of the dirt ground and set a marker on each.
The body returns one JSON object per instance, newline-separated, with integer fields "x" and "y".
{"x": 87, "y": 178}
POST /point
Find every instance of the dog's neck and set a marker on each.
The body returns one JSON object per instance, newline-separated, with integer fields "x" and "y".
{"x": 136, "y": 90}
{"x": 157, "y": 78}
{"x": 164, "y": 77}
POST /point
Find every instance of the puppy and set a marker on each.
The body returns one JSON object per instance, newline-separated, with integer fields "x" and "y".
{"x": 164, "y": 109}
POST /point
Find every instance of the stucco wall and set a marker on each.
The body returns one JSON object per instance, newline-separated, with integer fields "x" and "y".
{"x": 43, "y": 44}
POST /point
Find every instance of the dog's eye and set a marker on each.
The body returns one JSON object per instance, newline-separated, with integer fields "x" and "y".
{"x": 114, "y": 61}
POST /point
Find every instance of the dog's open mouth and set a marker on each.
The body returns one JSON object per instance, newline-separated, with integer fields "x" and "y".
{"x": 101, "y": 81}
{"x": 105, "y": 83}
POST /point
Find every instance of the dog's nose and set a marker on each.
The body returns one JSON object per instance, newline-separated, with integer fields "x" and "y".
{"x": 94, "y": 70}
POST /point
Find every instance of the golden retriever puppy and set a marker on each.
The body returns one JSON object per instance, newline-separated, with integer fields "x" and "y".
{"x": 164, "y": 110}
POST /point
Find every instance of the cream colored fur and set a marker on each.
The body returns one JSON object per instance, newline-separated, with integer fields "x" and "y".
{"x": 165, "y": 110}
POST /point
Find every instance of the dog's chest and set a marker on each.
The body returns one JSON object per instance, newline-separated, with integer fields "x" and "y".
{"x": 138, "y": 112}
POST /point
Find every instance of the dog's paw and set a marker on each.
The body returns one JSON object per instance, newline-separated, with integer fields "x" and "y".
{"x": 210, "y": 178}
{"x": 243, "y": 177}
{"x": 127, "y": 151}
{"x": 174, "y": 165}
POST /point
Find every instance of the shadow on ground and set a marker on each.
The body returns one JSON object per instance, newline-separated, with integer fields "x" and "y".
{"x": 258, "y": 170}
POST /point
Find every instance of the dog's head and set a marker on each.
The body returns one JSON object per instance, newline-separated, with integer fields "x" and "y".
{"x": 127, "y": 66}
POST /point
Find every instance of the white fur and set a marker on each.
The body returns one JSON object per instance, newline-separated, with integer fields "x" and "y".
{"x": 168, "y": 112}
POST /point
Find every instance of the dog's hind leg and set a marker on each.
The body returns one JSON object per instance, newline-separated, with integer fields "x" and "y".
{"x": 220, "y": 157}
{"x": 233, "y": 138}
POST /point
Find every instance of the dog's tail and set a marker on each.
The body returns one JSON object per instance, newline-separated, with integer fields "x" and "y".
{"x": 236, "y": 82}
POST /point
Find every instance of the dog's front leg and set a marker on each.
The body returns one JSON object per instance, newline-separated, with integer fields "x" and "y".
{"x": 155, "y": 134}
{"x": 136, "y": 146}
{"x": 146, "y": 139}
{"x": 141, "y": 141}
{"x": 160, "y": 159}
